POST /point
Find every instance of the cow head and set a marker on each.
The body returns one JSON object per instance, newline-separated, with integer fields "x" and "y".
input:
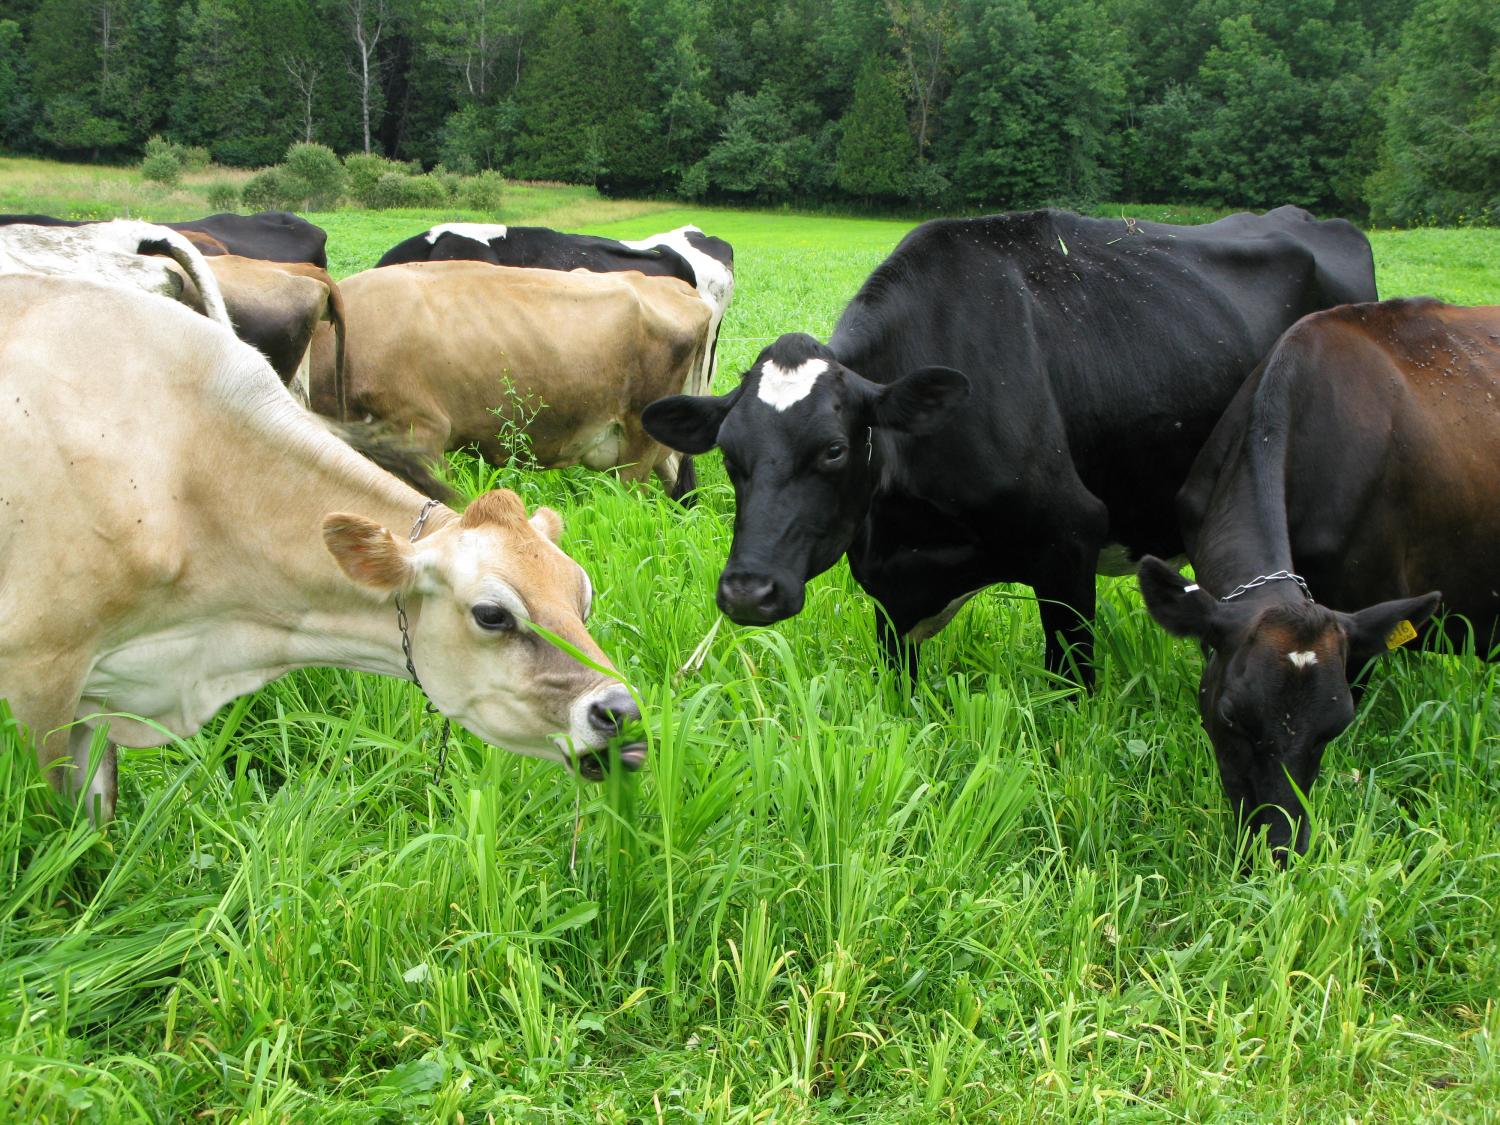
{"x": 799, "y": 436}
{"x": 1275, "y": 687}
{"x": 474, "y": 590}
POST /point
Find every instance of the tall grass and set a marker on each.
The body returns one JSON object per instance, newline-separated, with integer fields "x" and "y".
{"x": 826, "y": 899}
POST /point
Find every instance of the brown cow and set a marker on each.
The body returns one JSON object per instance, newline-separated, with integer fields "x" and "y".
{"x": 176, "y": 532}
{"x": 1354, "y": 472}
{"x": 454, "y": 353}
{"x": 275, "y": 307}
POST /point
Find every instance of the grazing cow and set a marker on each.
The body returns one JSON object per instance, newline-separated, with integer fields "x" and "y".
{"x": 121, "y": 252}
{"x": 1004, "y": 398}
{"x": 704, "y": 262}
{"x": 1355, "y": 472}
{"x": 275, "y": 307}
{"x": 459, "y": 353}
{"x": 175, "y": 531}
{"x": 273, "y": 236}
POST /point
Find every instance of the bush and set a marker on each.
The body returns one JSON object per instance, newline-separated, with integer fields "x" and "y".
{"x": 482, "y": 192}
{"x": 162, "y": 168}
{"x": 364, "y": 172}
{"x": 314, "y": 175}
{"x": 194, "y": 158}
{"x": 270, "y": 190}
{"x": 223, "y": 196}
{"x": 389, "y": 191}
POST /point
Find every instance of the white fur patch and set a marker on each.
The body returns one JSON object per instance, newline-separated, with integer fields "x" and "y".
{"x": 479, "y": 232}
{"x": 1302, "y": 659}
{"x": 780, "y": 388}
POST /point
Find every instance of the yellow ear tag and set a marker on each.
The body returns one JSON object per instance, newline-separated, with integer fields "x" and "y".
{"x": 1402, "y": 633}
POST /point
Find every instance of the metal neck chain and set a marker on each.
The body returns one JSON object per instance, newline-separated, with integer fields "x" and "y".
{"x": 405, "y": 626}
{"x": 1278, "y": 576}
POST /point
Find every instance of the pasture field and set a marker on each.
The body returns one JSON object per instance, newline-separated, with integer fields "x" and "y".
{"x": 823, "y": 900}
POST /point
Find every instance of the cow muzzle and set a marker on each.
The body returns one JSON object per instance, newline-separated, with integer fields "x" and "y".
{"x": 757, "y": 599}
{"x": 608, "y": 715}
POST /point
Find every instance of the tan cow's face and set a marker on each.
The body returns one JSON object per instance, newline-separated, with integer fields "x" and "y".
{"x": 475, "y": 589}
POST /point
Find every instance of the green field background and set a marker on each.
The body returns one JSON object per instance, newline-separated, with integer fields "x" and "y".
{"x": 825, "y": 899}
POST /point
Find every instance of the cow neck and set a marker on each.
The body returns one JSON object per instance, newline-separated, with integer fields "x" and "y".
{"x": 1244, "y": 532}
{"x": 327, "y": 619}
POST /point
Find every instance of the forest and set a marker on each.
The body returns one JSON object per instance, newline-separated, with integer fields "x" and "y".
{"x": 1385, "y": 111}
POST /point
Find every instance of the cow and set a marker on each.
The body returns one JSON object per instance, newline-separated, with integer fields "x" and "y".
{"x": 123, "y": 252}
{"x": 175, "y": 531}
{"x": 1003, "y": 399}
{"x": 274, "y": 236}
{"x": 1348, "y": 491}
{"x": 704, "y": 262}
{"x": 450, "y": 354}
{"x": 275, "y": 307}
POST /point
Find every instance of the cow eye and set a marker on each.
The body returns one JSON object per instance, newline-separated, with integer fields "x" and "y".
{"x": 495, "y": 618}
{"x": 835, "y": 452}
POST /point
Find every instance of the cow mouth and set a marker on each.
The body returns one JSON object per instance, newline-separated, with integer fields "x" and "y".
{"x": 595, "y": 764}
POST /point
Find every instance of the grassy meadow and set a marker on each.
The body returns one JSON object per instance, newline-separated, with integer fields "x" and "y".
{"x": 824, "y": 899}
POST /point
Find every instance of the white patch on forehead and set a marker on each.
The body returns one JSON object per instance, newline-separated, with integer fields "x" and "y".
{"x": 780, "y": 388}
{"x": 1302, "y": 659}
{"x": 479, "y": 232}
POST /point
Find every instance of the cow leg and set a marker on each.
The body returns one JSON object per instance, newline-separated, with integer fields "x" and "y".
{"x": 301, "y": 382}
{"x": 683, "y": 486}
{"x": 897, "y": 648}
{"x": 93, "y": 777}
{"x": 1064, "y": 582}
{"x": 62, "y": 745}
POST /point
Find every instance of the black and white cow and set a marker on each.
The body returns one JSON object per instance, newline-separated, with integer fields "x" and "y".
{"x": 1003, "y": 399}
{"x": 701, "y": 260}
{"x": 271, "y": 236}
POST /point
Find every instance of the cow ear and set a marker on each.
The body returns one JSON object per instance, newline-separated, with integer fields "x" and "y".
{"x": 368, "y": 553}
{"x": 1180, "y": 607}
{"x": 918, "y": 401}
{"x": 1385, "y": 627}
{"x": 688, "y": 423}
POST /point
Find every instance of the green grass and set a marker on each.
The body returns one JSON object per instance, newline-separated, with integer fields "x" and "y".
{"x": 822, "y": 900}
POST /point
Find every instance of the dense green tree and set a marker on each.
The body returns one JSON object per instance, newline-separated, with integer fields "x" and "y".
{"x": 17, "y": 106}
{"x": 1440, "y": 154}
{"x": 1036, "y": 100}
{"x": 876, "y": 153}
{"x": 1335, "y": 104}
{"x": 1285, "y": 93}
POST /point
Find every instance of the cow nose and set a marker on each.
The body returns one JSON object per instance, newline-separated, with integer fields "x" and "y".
{"x": 611, "y": 712}
{"x": 749, "y": 599}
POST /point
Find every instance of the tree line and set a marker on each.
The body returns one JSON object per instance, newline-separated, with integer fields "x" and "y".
{"x": 1381, "y": 109}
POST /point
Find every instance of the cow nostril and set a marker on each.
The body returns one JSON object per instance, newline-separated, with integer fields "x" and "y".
{"x": 749, "y": 589}
{"x": 612, "y": 712}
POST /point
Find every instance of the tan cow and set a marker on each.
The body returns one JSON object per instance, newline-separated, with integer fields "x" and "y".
{"x": 119, "y": 252}
{"x": 175, "y": 531}
{"x": 454, "y": 353}
{"x": 275, "y": 306}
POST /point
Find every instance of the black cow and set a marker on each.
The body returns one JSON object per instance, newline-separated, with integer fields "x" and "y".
{"x": 1359, "y": 466}
{"x": 272, "y": 236}
{"x": 1004, "y": 397}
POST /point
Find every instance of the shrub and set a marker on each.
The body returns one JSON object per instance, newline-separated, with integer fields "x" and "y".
{"x": 223, "y": 196}
{"x": 364, "y": 172}
{"x": 162, "y": 168}
{"x": 427, "y": 191}
{"x": 483, "y": 192}
{"x": 390, "y": 190}
{"x": 314, "y": 175}
{"x": 270, "y": 190}
{"x": 194, "y": 158}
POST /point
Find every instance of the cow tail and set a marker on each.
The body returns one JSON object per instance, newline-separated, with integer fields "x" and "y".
{"x": 164, "y": 240}
{"x": 340, "y": 385}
